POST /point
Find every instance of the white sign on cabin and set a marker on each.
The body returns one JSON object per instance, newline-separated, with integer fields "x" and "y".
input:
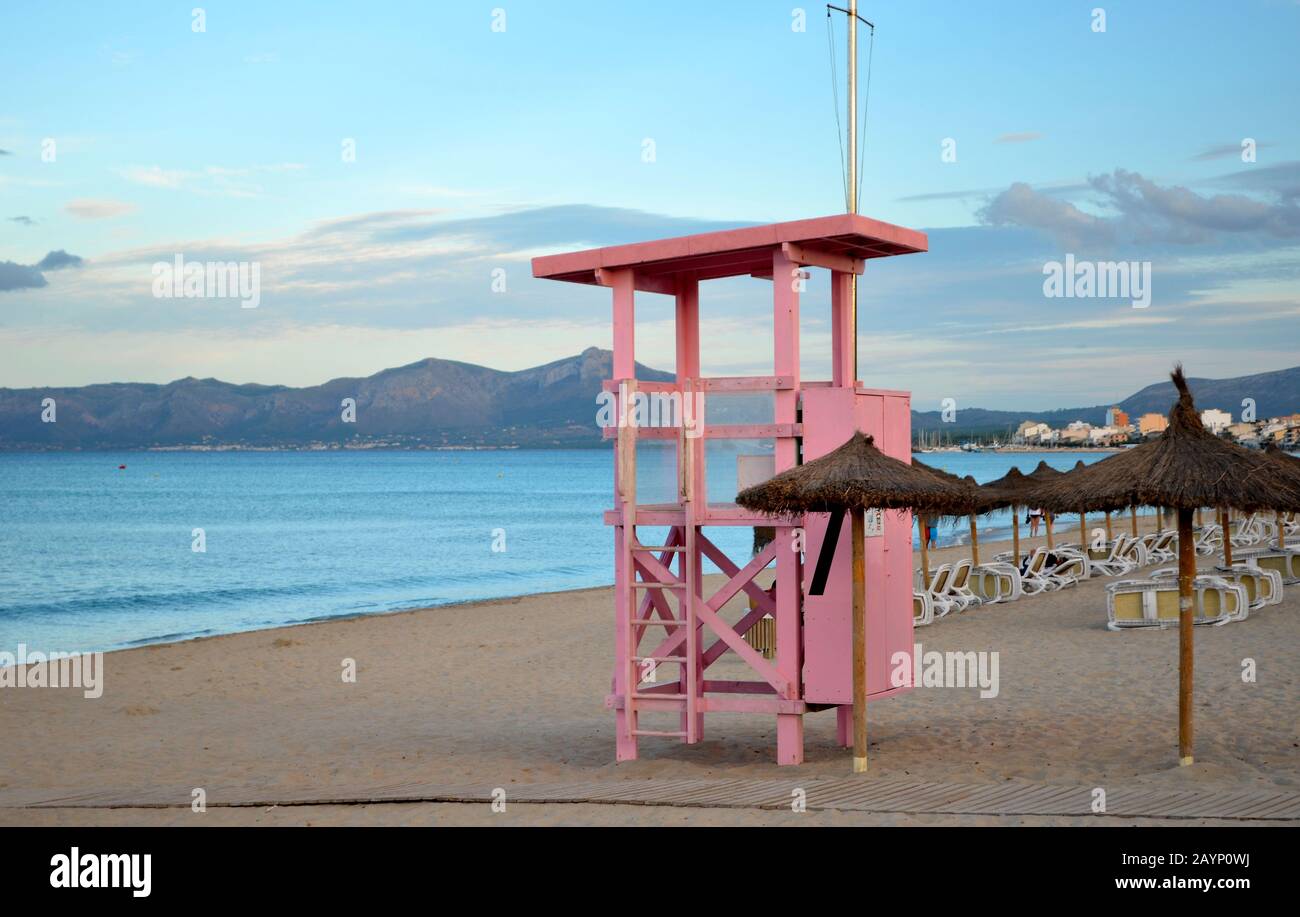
{"x": 755, "y": 469}
{"x": 752, "y": 470}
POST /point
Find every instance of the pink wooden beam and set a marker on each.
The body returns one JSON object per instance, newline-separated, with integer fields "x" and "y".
{"x": 665, "y": 388}
{"x": 658, "y": 572}
{"x": 724, "y": 563}
{"x": 806, "y": 255}
{"x": 747, "y": 383}
{"x": 738, "y": 687}
{"x": 753, "y": 658}
{"x": 720, "y": 431}
{"x": 755, "y": 704}
{"x": 748, "y": 620}
{"x": 738, "y": 582}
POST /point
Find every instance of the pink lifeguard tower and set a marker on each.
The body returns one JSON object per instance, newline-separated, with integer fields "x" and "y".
{"x": 663, "y": 614}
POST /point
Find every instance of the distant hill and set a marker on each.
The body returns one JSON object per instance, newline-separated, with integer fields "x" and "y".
{"x": 432, "y": 403}
{"x": 435, "y": 403}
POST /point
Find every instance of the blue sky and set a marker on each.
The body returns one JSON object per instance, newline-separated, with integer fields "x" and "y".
{"x": 476, "y": 149}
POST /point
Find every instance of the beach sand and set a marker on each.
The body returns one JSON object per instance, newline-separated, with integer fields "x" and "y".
{"x": 511, "y": 692}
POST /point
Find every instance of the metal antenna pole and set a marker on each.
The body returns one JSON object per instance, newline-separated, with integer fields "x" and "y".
{"x": 853, "y": 107}
{"x": 853, "y": 166}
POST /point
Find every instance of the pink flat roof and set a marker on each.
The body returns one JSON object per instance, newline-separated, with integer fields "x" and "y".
{"x": 736, "y": 252}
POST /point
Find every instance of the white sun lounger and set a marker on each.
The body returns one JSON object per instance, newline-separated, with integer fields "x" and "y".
{"x": 1037, "y": 578}
{"x": 1263, "y": 587}
{"x": 959, "y": 589}
{"x": 1160, "y": 547}
{"x": 1073, "y": 567}
{"x": 1117, "y": 563}
{"x": 937, "y": 589}
{"x": 1154, "y": 603}
{"x": 1209, "y": 540}
{"x": 1285, "y": 561}
{"x": 996, "y": 582}
{"x": 922, "y": 609}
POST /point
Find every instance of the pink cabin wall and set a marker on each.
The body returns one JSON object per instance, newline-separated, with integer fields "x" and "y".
{"x": 830, "y": 416}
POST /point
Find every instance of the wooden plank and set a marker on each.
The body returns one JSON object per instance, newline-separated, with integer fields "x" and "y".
{"x": 846, "y": 794}
{"x": 747, "y": 383}
{"x": 815, "y": 257}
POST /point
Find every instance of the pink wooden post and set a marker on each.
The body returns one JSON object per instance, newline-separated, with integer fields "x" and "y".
{"x": 624, "y": 367}
{"x": 624, "y": 323}
{"x": 785, "y": 327}
{"x": 842, "y": 337}
{"x": 789, "y": 655}
{"x": 688, "y": 373}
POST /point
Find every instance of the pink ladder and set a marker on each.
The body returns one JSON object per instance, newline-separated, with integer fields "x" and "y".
{"x": 646, "y": 581}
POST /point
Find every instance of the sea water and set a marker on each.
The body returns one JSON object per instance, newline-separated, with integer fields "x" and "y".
{"x": 174, "y": 545}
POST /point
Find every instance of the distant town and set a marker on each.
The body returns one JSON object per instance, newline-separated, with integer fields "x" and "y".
{"x": 1121, "y": 430}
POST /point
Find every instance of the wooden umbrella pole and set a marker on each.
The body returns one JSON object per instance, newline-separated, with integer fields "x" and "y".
{"x": 1225, "y": 522}
{"x": 974, "y": 542}
{"x": 1160, "y": 519}
{"x": 1200, "y": 522}
{"x": 859, "y": 645}
{"x": 925, "y": 551}
{"x": 1015, "y": 536}
{"x": 1186, "y": 603}
{"x": 1083, "y": 531}
{"x": 1133, "y": 514}
{"x": 1281, "y": 531}
{"x": 1110, "y": 536}
{"x": 1047, "y": 521}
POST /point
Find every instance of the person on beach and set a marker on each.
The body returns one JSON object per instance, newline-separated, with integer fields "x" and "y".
{"x": 932, "y": 535}
{"x": 1034, "y": 518}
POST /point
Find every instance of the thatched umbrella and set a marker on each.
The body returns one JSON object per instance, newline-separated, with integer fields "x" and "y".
{"x": 1185, "y": 468}
{"x": 854, "y": 478}
{"x": 1008, "y": 490}
{"x": 974, "y": 503}
{"x": 922, "y": 523}
{"x": 1042, "y": 474}
{"x": 1287, "y": 461}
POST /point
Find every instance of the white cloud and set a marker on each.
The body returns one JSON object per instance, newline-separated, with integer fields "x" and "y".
{"x": 98, "y": 208}
{"x": 155, "y": 176}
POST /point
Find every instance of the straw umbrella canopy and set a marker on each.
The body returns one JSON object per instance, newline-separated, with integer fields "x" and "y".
{"x": 974, "y": 503}
{"x": 1287, "y": 461}
{"x": 854, "y": 478}
{"x": 1008, "y": 490}
{"x": 1042, "y": 474}
{"x": 1187, "y": 467}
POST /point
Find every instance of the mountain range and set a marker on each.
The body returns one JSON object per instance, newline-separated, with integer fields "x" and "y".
{"x": 444, "y": 403}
